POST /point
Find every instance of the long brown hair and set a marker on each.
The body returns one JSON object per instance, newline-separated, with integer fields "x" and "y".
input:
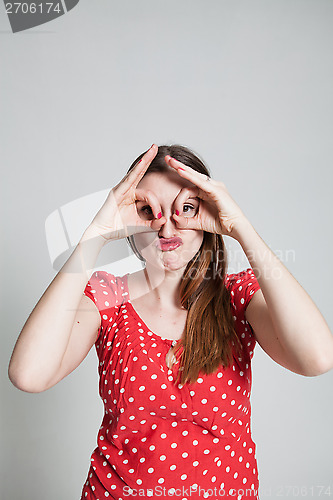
{"x": 209, "y": 338}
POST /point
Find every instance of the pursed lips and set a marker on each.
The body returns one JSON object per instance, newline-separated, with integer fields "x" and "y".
{"x": 166, "y": 242}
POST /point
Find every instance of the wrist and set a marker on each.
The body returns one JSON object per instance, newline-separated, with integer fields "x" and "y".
{"x": 240, "y": 229}
{"x": 93, "y": 236}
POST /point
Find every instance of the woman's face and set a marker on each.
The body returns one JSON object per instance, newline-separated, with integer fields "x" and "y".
{"x": 152, "y": 245}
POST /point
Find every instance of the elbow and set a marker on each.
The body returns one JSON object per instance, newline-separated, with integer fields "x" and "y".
{"x": 319, "y": 367}
{"x": 24, "y": 387}
{"x": 321, "y": 362}
{"x": 325, "y": 361}
{"x": 325, "y": 366}
{"x": 22, "y": 383}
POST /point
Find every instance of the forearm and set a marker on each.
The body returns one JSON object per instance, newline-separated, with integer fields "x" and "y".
{"x": 298, "y": 323}
{"x": 43, "y": 340}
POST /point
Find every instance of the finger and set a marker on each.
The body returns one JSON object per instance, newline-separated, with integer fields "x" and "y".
{"x": 186, "y": 222}
{"x": 147, "y": 197}
{"x": 156, "y": 224}
{"x": 192, "y": 175}
{"x": 145, "y": 226}
{"x": 133, "y": 177}
{"x": 150, "y": 225}
{"x": 184, "y": 195}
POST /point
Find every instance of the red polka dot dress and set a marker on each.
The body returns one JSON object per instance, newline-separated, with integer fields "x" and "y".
{"x": 159, "y": 439}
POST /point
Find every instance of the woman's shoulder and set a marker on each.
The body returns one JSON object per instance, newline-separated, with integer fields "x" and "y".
{"x": 106, "y": 289}
{"x": 232, "y": 279}
{"x": 242, "y": 286}
{"x": 105, "y": 278}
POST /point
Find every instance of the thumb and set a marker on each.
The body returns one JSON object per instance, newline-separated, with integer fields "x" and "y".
{"x": 186, "y": 222}
{"x": 156, "y": 224}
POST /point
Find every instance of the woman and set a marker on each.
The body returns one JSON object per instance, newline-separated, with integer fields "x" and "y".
{"x": 174, "y": 340}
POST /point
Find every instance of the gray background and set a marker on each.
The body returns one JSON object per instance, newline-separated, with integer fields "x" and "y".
{"x": 248, "y": 86}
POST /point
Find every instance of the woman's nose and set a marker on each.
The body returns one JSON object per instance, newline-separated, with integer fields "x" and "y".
{"x": 169, "y": 227}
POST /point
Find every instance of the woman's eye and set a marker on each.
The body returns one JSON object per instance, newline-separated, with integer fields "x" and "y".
{"x": 146, "y": 211}
{"x": 189, "y": 210}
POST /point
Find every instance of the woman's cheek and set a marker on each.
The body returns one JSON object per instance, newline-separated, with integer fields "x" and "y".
{"x": 191, "y": 247}
{"x": 143, "y": 241}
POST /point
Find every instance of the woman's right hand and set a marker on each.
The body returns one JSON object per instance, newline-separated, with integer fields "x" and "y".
{"x": 118, "y": 216}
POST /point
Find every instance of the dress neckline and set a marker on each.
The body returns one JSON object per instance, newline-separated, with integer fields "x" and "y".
{"x": 136, "y": 314}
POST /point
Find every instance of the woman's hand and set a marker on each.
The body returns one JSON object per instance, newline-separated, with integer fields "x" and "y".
{"x": 118, "y": 217}
{"x": 217, "y": 213}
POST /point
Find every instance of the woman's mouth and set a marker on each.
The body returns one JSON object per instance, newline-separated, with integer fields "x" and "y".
{"x": 167, "y": 244}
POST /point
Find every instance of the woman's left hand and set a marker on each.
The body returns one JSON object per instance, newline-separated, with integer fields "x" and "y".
{"x": 217, "y": 213}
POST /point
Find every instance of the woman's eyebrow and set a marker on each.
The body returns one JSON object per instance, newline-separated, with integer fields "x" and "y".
{"x": 196, "y": 198}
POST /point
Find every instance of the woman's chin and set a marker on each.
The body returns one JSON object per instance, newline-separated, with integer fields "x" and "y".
{"x": 168, "y": 261}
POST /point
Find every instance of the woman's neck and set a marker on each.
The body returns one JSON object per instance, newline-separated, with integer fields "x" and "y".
{"x": 162, "y": 287}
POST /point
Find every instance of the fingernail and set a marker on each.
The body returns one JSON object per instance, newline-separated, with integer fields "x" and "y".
{"x": 177, "y": 212}
{"x": 159, "y": 215}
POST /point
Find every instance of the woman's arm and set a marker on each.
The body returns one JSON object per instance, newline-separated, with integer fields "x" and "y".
{"x": 285, "y": 320}
{"x": 63, "y": 325}
{"x": 40, "y": 348}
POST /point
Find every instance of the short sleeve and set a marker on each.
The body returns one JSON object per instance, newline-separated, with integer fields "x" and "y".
{"x": 242, "y": 287}
{"x": 104, "y": 290}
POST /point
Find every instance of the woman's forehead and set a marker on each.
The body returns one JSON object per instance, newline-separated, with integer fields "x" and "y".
{"x": 169, "y": 181}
